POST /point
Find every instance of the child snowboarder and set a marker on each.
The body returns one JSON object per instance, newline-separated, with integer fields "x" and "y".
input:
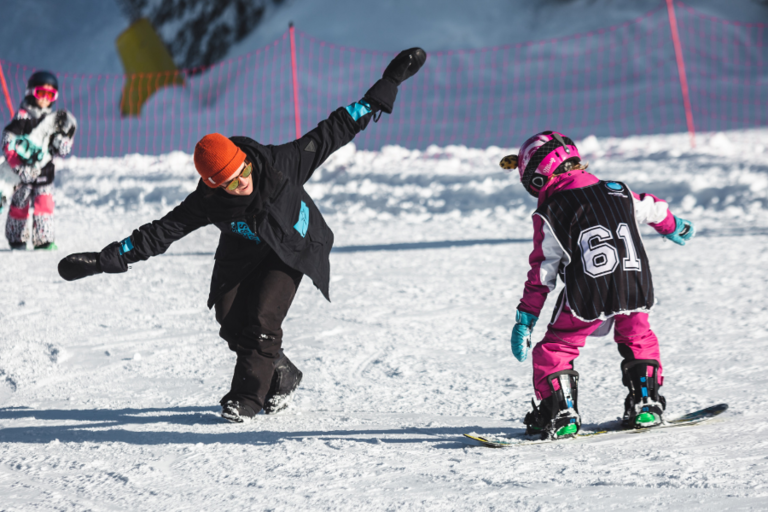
{"x": 272, "y": 235}
{"x": 30, "y": 141}
{"x": 586, "y": 231}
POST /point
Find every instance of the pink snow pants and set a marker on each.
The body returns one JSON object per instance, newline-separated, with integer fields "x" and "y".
{"x": 561, "y": 344}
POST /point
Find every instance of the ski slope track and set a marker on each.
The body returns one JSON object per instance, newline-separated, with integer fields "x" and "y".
{"x": 109, "y": 386}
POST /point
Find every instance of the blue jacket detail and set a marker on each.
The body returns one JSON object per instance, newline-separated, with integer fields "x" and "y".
{"x": 241, "y": 228}
{"x": 303, "y": 223}
{"x": 359, "y": 109}
{"x": 126, "y": 246}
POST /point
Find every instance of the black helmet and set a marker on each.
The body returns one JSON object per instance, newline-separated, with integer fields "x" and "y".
{"x": 39, "y": 78}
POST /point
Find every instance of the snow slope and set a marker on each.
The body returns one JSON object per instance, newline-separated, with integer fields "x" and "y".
{"x": 109, "y": 385}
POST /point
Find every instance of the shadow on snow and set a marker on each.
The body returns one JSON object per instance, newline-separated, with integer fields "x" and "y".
{"x": 117, "y": 426}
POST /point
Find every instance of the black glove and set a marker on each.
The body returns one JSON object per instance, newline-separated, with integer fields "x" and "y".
{"x": 406, "y": 64}
{"x": 383, "y": 93}
{"x": 79, "y": 265}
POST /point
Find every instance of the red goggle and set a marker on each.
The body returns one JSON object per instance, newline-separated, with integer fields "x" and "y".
{"x": 44, "y": 92}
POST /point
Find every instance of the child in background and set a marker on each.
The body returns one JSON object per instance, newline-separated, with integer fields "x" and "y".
{"x": 586, "y": 231}
{"x": 34, "y": 136}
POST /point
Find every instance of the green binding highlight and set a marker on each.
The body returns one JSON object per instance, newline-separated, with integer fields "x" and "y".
{"x": 567, "y": 430}
{"x": 645, "y": 418}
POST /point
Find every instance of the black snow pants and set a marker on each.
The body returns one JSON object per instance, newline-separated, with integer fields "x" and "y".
{"x": 251, "y": 317}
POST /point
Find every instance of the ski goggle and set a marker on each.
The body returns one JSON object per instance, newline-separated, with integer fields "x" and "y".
{"x": 45, "y": 92}
{"x": 232, "y": 186}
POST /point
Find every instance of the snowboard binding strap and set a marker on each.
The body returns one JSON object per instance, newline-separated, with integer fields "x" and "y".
{"x": 644, "y": 406}
{"x": 557, "y": 416}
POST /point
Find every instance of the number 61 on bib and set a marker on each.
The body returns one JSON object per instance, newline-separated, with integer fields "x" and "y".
{"x": 598, "y": 254}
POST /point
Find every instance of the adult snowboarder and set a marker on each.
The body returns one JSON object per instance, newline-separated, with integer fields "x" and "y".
{"x": 30, "y": 141}
{"x": 271, "y": 235}
{"x": 586, "y": 231}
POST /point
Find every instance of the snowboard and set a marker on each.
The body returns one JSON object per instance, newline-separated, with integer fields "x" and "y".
{"x": 8, "y": 182}
{"x": 690, "y": 419}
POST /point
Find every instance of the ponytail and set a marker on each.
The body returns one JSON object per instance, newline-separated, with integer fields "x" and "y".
{"x": 572, "y": 164}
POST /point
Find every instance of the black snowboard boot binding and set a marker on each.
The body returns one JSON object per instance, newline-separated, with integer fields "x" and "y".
{"x": 557, "y": 416}
{"x": 644, "y": 406}
{"x": 285, "y": 380}
{"x": 236, "y": 412}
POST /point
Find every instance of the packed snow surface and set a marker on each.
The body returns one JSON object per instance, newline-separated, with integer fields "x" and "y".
{"x": 109, "y": 385}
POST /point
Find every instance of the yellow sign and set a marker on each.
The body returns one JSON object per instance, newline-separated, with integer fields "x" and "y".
{"x": 148, "y": 66}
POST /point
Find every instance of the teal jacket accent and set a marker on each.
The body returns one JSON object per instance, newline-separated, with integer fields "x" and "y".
{"x": 359, "y": 109}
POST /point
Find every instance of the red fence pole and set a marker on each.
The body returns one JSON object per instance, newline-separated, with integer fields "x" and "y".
{"x": 5, "y": 91}
{"x": 681, "y": 71}
{"x": 297, "y": 113}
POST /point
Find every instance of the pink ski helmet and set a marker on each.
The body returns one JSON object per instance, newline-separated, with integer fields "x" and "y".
{"x": 539, "y": 158}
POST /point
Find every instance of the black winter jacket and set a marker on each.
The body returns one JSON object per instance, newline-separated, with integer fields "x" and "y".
{"x": 278, "y": 215}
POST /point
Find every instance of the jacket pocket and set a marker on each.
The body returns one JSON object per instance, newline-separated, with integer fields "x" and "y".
{"x": 289, "y": 238}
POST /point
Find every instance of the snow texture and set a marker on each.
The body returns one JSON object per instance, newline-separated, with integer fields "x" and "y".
{"x": 109, "y": 385}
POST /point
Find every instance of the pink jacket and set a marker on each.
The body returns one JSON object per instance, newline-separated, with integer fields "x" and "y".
{"x": 547, "y": 255}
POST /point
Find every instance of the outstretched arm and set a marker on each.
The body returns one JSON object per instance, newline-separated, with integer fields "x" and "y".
{"x": 343, "y": 124}
{"x": 655, "y": 212}
{"x": 152, "y": 239}
{"x": 147, "y": 241}
{"x": 310, "y": 151}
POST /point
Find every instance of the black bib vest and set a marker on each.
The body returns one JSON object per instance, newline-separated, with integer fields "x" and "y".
{"x": 608, "y": 271}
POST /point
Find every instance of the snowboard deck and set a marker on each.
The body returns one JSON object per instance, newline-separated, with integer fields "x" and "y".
{"x": 692, "y": 418}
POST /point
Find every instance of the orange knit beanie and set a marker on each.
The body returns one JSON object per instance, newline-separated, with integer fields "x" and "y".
{"x": 217, "y": 159}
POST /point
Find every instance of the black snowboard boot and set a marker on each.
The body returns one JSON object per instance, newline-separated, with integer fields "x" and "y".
{"x": 284, "y": 382}
{"x": 644, "y": 406}
{"x": 557, "y": 416}
{"x": 236, "y": 412}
